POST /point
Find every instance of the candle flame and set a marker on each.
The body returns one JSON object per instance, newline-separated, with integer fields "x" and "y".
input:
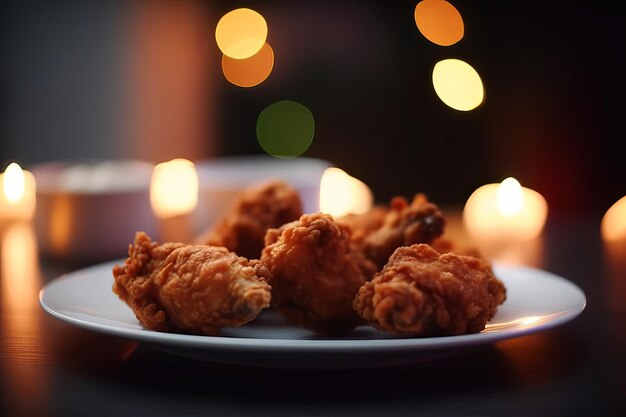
{"x": 505, "y": 212}
{"x": 510, "y": 197}
{"x": 14, "y": 183}
{"x": 174, "y": 188}
{"x": 613, "y": 224}
{"x": 341, "y": 194}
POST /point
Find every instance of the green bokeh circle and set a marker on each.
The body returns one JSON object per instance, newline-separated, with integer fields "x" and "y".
{"x": 285, "y": 129}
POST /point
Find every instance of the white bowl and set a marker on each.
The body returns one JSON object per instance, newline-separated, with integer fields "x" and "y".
{"x": 90, "y": 211}
{"x": 222, "y": 179}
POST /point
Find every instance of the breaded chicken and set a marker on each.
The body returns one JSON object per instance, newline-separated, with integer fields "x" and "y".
{"x": 423, "y": 293}
{"x": 364, "y": 224}
{"x": 447, "y": 245}
{"x": 315, "y": 273}
{"x": 256, "y": 210}
{"x": 175, "y": 287}
{"x": 405, "y": 224}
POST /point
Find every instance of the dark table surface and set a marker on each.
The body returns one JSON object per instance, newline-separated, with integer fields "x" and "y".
{"x": 53, "y": 368}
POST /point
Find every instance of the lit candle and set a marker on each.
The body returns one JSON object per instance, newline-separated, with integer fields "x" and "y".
{"x": 341, "y": 194}
{"x": 613, "y": 224}
{"x": 613, "y": 230}
{"x": 17, "y": 194}
{"x": 505, "y": 212}
{"x": 174, "y": 196}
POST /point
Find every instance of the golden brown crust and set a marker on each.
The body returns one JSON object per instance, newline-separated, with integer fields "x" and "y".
{"x": 447, "y": 245}
{"x": 190, "y": 288}
{"x": 364, "y": 224}
{"x": 256, "y": 210}
{"x": 315, "y": 271}
{"x": 423, "y": 293}
{"x": 404, "y": 224}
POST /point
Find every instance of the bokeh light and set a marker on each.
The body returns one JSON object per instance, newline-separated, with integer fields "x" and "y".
{"x": 505, "y": 212}
{"x": 20, "y": 275}
{"x": 241, "y": 33}
{"x": 439, "y": 22}
{"x": 341, "y": 194}
{"x": 174, "y": 188}
{"x": 510, "y": 197}
{"x": 457, "y": 84}
{"x": 17, "y": 193}
{"x": 250, "y": 71}
{"x": 613, "y": 226}
{"x": 285, "y": 129}
{"x": 13, "y": 182}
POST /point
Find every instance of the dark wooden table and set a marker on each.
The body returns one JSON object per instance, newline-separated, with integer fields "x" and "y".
{"x": 52, "y": 368}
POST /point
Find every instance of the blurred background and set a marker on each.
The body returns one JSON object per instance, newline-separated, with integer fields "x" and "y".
{"x": 144, "y": 80}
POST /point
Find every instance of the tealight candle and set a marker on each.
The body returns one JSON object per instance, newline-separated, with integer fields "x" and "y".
{"x": 505, "y": 212}
{"x": 342, "y": 194}
{"x": 17, "y": 194}
{"x": 613, "y": 226}
{"x": 174, "y": 197}
{"x": 613, "y": 230}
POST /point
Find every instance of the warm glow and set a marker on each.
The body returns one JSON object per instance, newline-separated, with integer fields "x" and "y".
{"x": 439, "y": 22}
{"x": 20, "y": 274}
{"x": 505, "y": 211}
{"x": 174, "y": 188}
{"x": 61, "y": 226}
{"x": 241, "y": 33}
{"x": 21, "y": 321}
{"x": 457, "y": 84}
{"x": 510, "y": 197}
{"x": 250, "y": 71}
{"x": 14, "y": 182}
{"x": 613, "y": 225}
{"x": 527, "y": 321}
{"x": 17, "y": 193}
{"x": 341, "y": 194}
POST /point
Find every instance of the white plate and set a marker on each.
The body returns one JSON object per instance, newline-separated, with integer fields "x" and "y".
{"x": 536, "y": 300}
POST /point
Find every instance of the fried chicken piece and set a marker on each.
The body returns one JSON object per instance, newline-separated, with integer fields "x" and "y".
{"x": 256, "y": 210}
{"x": 423, "y": 293}
{"x": 364, "y": 224}
{"x": 405, "y": 224}
{"x": 175, "y": 287}
{"x": 446, "y": 245}
{"x": 315, "y": 273}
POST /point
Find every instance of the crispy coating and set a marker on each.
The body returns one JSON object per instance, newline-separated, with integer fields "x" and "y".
{"x": 315, "y": 273}
{"x": 381, "y": 230}
{"x": 423, "y": 293}
{"x": 364, "y": 224}
{"x": 257, "y": 209}
{"x": 405, "y": 224}
{"x": 175, "y": 287}
{"x": 446, "y": 245}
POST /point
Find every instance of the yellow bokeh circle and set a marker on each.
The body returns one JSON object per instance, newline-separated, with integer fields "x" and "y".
{"x": 458, "y": 84}
{"x": 241, "y": 33}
